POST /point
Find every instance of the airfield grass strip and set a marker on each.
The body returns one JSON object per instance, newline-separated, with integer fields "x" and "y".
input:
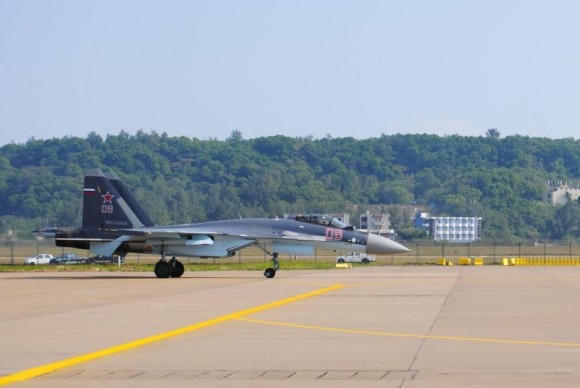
{"x": 132, "y": 267}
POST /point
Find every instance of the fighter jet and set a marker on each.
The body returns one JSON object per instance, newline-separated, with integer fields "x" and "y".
{"x": 114, "y": 222}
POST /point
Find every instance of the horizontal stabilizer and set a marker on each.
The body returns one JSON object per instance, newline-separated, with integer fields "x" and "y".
{"x": 107, "y": 248}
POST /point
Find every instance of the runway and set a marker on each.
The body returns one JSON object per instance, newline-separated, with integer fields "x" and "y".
{"x": 414, "y": 326}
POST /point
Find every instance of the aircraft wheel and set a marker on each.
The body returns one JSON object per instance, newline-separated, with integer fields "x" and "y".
{"x": 270, "y": 273}
{"x": 177, "y": 270}
{"x": 162, "y": 269}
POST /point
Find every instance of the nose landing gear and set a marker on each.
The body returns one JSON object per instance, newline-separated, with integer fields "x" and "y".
{"x": 271, "y": 272}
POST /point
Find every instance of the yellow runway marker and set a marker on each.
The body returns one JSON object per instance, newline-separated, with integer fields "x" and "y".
{"x": 404, "y": 335}
{"x": 47, "y": 368}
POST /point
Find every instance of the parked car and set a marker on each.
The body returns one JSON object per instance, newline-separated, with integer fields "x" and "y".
{"x": 105, "y": 259}
{"x": 43, "y": 258}
{"x": 68, "y": 258}
{"x": 354, "y": 257}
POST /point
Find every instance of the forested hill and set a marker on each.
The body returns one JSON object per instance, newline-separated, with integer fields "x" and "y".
{"x": 181, "y": 180}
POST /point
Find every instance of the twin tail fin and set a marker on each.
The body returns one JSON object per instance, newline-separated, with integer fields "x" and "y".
{"x": 108, "y": 204}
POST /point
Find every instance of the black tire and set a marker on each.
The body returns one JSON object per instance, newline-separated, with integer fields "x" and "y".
{"x": 270, "y": 273}
{"x": 340, "y": 261}
{"x": 177, "y": 269}
{"x": 365, "y": 260}
{"x": 162, "y": 269}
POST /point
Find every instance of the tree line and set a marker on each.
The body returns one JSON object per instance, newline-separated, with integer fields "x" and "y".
{"x": 183, "y": 179}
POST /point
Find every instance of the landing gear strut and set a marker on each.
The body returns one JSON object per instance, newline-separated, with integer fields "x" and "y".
{"x": 271, "y": 272}
{"x": 165, "y": 269}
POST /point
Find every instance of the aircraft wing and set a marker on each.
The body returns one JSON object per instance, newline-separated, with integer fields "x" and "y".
{"x": 289, "y": 235}
{"x": 211, "y": 242}
{"x": 188, "y": 231}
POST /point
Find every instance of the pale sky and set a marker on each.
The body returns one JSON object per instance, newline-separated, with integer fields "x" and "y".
{"x": 297, "y": 68}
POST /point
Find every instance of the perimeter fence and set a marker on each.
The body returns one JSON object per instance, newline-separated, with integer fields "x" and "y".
{"x": 422, "y": 252}
{"x": 491, "y": 251}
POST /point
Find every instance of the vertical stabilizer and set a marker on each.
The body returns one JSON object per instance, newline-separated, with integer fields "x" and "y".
{"x": 129, "y": 198}
{"x": 105, "y": 206}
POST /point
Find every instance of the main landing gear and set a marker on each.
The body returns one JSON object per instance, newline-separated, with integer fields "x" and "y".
{"x": 172, "y": 268}
{"x": 271, "y": 272}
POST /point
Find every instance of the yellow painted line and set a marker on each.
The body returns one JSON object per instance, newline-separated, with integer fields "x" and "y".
{"x": 405, "y": 335}
{"x": 47, "y": 368}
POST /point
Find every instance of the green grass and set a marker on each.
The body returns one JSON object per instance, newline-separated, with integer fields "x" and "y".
{"x": 132, "y": 267}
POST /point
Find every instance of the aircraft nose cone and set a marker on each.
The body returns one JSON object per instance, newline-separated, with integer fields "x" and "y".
{"x": 383, "y": 246}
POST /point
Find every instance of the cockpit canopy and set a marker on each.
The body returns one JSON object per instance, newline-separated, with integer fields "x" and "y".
{"x": 321, "y": 219}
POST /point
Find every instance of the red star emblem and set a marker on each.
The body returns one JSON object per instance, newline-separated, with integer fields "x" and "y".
{"x": 107, "y": 198}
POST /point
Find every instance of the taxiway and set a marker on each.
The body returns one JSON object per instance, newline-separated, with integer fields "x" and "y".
{"x": 415, "y": 326}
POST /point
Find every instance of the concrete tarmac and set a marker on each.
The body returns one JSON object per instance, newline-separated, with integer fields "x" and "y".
{"x": 415, "y": 326}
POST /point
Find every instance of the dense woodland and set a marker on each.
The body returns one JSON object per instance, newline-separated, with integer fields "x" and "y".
{"x": 182, "y": 180}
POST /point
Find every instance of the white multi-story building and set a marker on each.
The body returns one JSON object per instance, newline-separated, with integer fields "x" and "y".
{"x": 455, "y": 229}
{"x": 377, "y": 223}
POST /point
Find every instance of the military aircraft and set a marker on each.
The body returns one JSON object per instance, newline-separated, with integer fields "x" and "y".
{"x": 114, "y": 222}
